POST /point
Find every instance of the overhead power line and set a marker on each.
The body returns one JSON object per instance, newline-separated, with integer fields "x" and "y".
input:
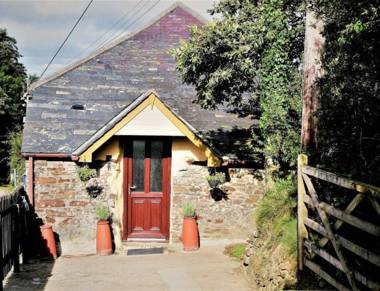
{"x": 67, "y": 37}
{"x": 115, "y": 24}
{"x": 127, "y": 25}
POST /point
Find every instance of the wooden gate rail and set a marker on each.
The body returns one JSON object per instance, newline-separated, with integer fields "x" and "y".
{"x": 307, "y": 195}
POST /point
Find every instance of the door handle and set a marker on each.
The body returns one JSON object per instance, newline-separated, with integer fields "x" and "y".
{"x": 131, "y": 188}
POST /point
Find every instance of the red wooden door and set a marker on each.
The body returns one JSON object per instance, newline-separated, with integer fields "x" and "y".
{"x": 147, "y": 188}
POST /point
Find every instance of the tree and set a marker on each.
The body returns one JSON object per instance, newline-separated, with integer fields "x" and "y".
{"x": 248, "y": 60}
{"x": 12, "y": 85}
{"x": 348, "y": 138}
{"x": 312, "y": 70}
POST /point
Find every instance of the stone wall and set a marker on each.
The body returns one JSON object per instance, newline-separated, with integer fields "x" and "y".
{"x": 229, "y": 215}
{"x": 62, "y": 199}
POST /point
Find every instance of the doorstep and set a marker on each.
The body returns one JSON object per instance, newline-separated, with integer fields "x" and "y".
{"x": 143, "y": 244}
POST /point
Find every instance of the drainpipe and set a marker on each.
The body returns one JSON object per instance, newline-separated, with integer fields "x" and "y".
{"x": 31, "y": 180}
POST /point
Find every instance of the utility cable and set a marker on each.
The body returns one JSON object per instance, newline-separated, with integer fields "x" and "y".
{"x": 128, "y": 25}
{"x": 120, "y": 20}
{"x": 67, "y": 37}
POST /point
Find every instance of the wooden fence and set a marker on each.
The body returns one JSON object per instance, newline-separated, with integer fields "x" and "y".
{"x": 339, "y": 243}
{"x": 10, "y": 237}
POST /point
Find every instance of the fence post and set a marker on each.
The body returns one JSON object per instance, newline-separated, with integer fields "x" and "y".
{"x": 301, "y": 210}
{"x": 16, "y": 239}
{"x": 1, "y": 248}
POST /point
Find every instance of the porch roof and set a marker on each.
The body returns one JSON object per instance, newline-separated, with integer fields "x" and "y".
{"x": 150, "y": 98}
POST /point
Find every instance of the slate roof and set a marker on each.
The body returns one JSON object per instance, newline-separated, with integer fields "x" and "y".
{"x": 111, "y": 79}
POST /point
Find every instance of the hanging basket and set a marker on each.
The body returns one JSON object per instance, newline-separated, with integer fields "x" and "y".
{"x": 93, "y": 187}
{"x": 213, "y": 183}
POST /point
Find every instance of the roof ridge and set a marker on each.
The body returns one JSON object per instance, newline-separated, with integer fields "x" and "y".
{"x": 114, "y": 43}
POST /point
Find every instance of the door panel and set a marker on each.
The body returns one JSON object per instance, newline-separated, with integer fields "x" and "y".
{"x": 155, "y": 214}
{"x": 147, "y": 187}
{"x": 137, "y": 218}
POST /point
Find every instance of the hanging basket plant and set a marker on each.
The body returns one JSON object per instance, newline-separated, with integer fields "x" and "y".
{"x": 93, "y": 185}
{"x": 216, "y": 179}
{"x": 85, "y": 173}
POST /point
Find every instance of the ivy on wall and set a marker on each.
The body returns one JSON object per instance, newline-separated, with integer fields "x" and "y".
{"x": 247, "y": 59}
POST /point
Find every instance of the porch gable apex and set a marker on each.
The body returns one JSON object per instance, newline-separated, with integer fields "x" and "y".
{"x": 150, "y": 98}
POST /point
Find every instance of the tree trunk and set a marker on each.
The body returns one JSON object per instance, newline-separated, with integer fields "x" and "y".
{"x": 314, "y": 42}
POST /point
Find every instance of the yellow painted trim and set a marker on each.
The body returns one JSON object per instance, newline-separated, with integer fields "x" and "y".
{"x": 212, "y": 159}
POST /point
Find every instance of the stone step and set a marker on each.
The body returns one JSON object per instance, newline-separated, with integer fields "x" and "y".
{"x": 133, "y": 245}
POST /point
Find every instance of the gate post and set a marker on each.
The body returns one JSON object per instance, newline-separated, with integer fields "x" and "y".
{"x": 301, "y": 210}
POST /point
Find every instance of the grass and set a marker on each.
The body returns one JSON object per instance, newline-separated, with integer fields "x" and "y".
{"x": 6, "y": 189}
{"x": 274, "y": 260}
{"x": 275, "y": 212}
{"x": 236, "y": 250}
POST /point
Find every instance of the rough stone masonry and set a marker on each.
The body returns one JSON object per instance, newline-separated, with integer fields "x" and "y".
{"x": 62, "y": 200}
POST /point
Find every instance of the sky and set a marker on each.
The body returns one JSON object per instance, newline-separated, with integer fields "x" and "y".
{"x": 40, "y": 26}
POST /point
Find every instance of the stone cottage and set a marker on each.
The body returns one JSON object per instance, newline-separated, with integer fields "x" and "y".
{"x": 124, "y": 112}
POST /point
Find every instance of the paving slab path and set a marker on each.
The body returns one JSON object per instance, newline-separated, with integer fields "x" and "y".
{"x": 206, "y": 269}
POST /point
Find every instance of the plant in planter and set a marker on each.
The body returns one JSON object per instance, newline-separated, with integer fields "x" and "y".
{"x": 103, "y": 230}
{"x": 190, "y": 237}
{"x": 216, "y": 179}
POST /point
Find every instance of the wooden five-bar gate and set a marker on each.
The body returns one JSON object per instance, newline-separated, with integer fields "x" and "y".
{"x": 338, "y": 241}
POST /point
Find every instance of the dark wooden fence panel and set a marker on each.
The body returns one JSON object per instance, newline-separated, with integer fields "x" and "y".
{"x": 9, "y": 233}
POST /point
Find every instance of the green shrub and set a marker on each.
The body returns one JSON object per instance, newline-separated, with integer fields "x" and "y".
{"x": 275, "y": 212}
{"x": 85, "y": 173}
{"x": 188, "y": 210}
{"x": 16, "y": 161}
{"x": 102, "y": 211}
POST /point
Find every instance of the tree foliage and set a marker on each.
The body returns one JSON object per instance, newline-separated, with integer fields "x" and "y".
{"x": 349, "y": 112}
{"x": 12, "y": 85}
{"x": 247, "y": 60}
{"x": 12, "y": 82}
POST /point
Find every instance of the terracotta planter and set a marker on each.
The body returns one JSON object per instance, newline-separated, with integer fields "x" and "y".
{"x": 49, "y": 246}
{"x": 190, "y": 238}
{"x": 103, "y": 238}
